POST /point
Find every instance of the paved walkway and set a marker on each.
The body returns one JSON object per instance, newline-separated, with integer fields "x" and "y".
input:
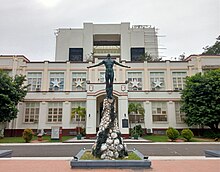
{"x": 83, "y": 140}
{"x": 63, "y": 165}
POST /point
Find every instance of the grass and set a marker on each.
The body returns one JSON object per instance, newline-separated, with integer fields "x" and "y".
{"x": 88, "y": 156}
{"x": 164, "y": 138}
{"x": 21, "y": 140}
{"x": 156, "y": 138}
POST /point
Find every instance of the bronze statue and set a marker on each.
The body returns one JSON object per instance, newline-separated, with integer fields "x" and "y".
{"x": 109, "y": 73}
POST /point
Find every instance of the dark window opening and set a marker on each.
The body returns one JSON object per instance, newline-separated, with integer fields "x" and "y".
{"x": 76, "y": 54}
{"x": 136, "y": 53}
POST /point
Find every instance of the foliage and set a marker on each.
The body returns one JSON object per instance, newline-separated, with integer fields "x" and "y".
{"x": 28, "y": 135}
{"x": 12, "y": 91}
{"x": 187, "y": 134}
{"x": 214, "y": 49}
{"x": 136, "y": 108}
{"x": 81, "y": 111}
{"x": 201, "y": 99}
{"x": 172, "y": 133}
{"x": 148, "y": 57}
{"x": 137, "y": 130}
{"x": 211, "y": 134}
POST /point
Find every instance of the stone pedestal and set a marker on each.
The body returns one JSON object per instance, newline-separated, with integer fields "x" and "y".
{"x": 109, "y": 143}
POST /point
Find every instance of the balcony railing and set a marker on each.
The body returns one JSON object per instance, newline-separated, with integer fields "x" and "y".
{"x": 103, "y": 50}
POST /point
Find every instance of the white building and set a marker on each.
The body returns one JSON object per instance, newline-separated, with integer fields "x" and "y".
{"x": 59, "y": 87}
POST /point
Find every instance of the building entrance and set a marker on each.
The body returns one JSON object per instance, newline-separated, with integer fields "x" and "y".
{"x": 99, "y": 107}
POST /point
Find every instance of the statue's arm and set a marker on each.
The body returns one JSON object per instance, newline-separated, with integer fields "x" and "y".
{"x": 101, "y": 63}
{"x": 121, "y": 65}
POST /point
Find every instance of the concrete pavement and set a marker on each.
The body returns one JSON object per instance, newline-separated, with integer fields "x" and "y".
{"x": 159, "y": 163}
{"x": 184, "y": 164}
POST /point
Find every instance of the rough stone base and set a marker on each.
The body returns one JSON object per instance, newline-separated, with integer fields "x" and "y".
{"x": 109, "y": 144}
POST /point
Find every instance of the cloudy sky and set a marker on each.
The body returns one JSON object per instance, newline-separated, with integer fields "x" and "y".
{"x": 185, "y": 26}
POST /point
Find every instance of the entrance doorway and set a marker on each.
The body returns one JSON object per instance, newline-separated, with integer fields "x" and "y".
{"x": 99, "y": 107}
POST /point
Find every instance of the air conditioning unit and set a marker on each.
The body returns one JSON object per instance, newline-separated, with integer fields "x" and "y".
{"x": 149, "y": 131}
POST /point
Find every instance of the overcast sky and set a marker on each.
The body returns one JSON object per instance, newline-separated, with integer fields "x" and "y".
{"x": 185, "y": 26}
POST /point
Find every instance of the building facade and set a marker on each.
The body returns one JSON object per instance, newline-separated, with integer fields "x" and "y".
{"x": 57, "y": 88}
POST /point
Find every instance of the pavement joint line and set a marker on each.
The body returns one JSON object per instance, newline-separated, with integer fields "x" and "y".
{"x": 150, "y": 158}
{"x": 90, "y": 143}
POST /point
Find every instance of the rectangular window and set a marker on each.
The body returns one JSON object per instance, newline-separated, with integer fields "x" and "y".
{"x": 135, "y": 81}
{"x": 159, "y": 111}
{"x": 79, "y": 81}
{"x": 157, "y": 80}
{"x": 31, "y": 112}
{"x": 136, "y": 118}
{"x": 56, "y": 81}
{"x": 55, "y": 112}
{"x": 180, "y": 116}
{"x": 76, "y": 54}
{"x": 179, "y": 79}
{"x": 136, "y": 53}
{"x": 34, "y": 79}
{"x": 76, "y": 117}
{"x": 102, "y": 77}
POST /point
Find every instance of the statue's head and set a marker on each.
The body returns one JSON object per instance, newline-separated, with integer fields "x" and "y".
{"x": 108, "y": 56}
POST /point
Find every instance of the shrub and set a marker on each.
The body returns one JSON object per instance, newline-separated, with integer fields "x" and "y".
{"x": 211, "y": 134}
{"x": 187, "y": 134}
{"x": 27, "y": 135}
{"x": 172, "y": 133}
{"x": 137, "y": 130}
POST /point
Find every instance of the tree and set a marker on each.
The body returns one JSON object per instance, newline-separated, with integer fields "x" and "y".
{"x": 201, "y": 99}
{"x": 214, "y": 49}
{"x": 135, "y": 109}
{"x": 12, "y": 91}
{"x": 149, "y": 57}
{"x": 81, "y": 112}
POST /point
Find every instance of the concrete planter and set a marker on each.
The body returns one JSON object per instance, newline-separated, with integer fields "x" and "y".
{"x": 5, "y": 153}
{"x": 77, "y": 163}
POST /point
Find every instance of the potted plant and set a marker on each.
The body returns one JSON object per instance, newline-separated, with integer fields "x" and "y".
{"x": 81, "y": 112}
{"x": 135, "y": 109}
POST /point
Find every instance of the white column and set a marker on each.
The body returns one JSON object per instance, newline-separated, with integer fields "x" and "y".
{"x": 91, "y": 115}
{"x": 168, "y": 78}
{"x": 45, "y": 83}
{"x": 171, "y": 114}
{"x": 68, "y": 78}
{"x": 42, "y": 115}
{"x": 145, "y": 77}
{"x": 66, "y": 114}
{"x": 123, "y": 113}
{"x": 148, "y": 116}
{"x": 20, "y": 115}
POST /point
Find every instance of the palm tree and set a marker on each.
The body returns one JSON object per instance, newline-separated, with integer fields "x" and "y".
{"x": 81, "y": 112}
{"x": 135, "y": 109}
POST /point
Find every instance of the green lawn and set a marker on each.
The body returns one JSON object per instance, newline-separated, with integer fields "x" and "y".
{"x": 21, "y": 140}
{"x": 88, "y": 156}
{"x": 156, "y": 138}
{"x": 164, "y": 138}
